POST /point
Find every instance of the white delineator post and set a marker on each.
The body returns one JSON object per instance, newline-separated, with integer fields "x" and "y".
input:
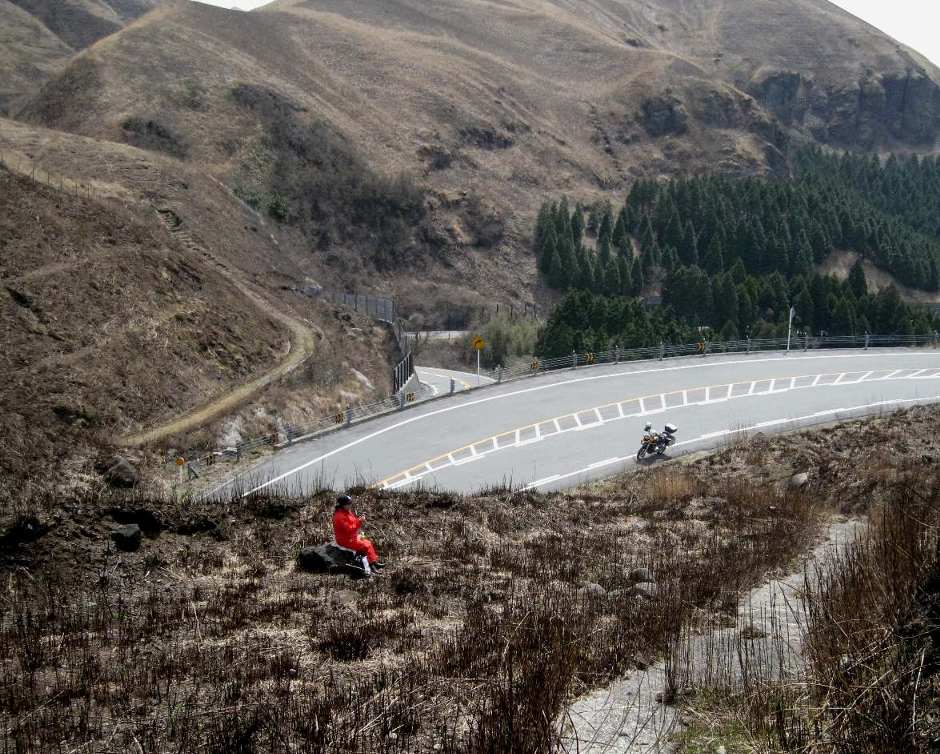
{"x": 790, "y": 327}
{"x": 478, "y": 367}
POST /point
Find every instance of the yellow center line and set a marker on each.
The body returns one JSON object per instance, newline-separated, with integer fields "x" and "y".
{"x": 492, "y": 438}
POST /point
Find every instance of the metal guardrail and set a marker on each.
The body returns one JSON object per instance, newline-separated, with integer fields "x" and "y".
{"x": 290, "y": 434}
{"x": 381, "y": 309}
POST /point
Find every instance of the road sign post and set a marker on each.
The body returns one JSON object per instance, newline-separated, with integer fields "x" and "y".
{"x": 478, "y": 345}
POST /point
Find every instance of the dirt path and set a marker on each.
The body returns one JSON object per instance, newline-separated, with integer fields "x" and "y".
{"x": 627, "y": 718}
{"x": 302, "y": 340}
{"x": 302, "y": 345}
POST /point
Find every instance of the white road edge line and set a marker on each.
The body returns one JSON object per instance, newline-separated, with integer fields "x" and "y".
{"x": 712, "y": 435}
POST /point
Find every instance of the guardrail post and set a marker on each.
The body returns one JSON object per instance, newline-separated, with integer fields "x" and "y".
{"x": 749, "y": 344}
{"x": 401, "y": 400}
{"x": 499, "y": 373}
{"x": 574, "y": 360}
{"x": 616, "y": 354}
{"x": 867, "y": 338}
{"x": 453, "y": 385}
{"x": 708, "y": 344}
{"x": 348, "y": 415}
{"x": 662, "y": 350}
{"x": 805, "y": 343}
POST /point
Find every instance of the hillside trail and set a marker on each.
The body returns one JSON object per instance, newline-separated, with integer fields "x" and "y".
{"x": 302, "y": 345}
{"x": 302, "y": 341}
{"x": 628, "y": 717}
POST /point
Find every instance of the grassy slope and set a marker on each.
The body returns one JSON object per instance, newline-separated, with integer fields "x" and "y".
{"x": 495, "y": 610}
{"x": 109, "y": 317}
{"x": 561, "y": 86}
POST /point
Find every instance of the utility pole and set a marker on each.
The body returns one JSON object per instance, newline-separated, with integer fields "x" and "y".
{"x": 790, "y": 327}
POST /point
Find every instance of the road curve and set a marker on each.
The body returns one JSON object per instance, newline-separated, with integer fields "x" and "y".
{"x": 563, "y": 428}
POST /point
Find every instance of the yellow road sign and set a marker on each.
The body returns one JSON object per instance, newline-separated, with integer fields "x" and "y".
{"x": 478, "y": 343}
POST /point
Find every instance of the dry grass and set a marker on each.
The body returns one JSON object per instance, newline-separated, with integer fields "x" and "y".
{"x": 495, "y": 612}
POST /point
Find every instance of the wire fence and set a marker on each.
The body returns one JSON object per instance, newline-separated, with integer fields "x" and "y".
{"x": 406, "y": 397}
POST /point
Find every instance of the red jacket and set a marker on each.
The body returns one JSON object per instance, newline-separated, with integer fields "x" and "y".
{"x": 346, "y": 526}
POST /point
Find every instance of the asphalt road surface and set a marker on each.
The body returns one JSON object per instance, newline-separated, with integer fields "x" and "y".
{"x": 567, "y": 427}
{"x": 438, "y": 380}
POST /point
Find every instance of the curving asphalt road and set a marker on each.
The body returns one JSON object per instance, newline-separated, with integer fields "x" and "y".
{"x": 564, "y": 428}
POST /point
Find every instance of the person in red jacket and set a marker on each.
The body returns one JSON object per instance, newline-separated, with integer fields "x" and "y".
{"x": 346, "y": 526}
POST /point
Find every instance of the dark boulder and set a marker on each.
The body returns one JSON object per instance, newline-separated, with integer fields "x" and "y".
{"x": 119, "y": 472}
{"x": 127, "y": 538}
{"x": 328, "y": 558}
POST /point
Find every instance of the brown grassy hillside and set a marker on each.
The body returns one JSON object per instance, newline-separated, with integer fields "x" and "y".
{"x": 38, "y": 37}
{"x": 490, "y": 106}
{"x": 111, "y": 324}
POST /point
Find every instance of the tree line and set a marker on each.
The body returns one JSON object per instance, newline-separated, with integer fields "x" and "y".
{"x": 732, "y": 255}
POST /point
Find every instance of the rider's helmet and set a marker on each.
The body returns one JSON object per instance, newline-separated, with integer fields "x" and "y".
{"x": 343, "y": 500}
{"x": 648, "y": 427}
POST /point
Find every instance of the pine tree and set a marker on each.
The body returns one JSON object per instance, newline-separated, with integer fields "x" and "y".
{"x": 607, "y": 223}
{"x": 542, "y": 226}
{"x": 603, "y": 250}
{"x": 548, "y": 251}
{"x": 550, "y": 266}
{"x": 613, "y": 285}
{"x": 857, "y": 281}
{"x": 714, "y": 259}
{"x": 843, "y": 318}
{"x": 626, "y": 280}
{"x": 637, "y": 277}
{"x": 618, "y": 238}
{"x": 577, "y": 227}
{"x": 747, "y": 308}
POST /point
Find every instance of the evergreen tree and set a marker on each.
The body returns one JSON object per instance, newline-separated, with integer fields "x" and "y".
{"x": 607, "y": 223}
{"x": 714, "y": 259}
{"x": 613, "y": 285}
{"x": 603, "y": 250}
{"x": 637, "y": 277}
{"x": 618, "y": 238}
{"x": 577, "y": 227}
{"x": 843, "y": 318}
{"x": 626, "y": 280}
{"x": 725, "y": 301}
{"x": 548, "y": 251}
{"x": 542, "y": 225}
{"x": 857, "y": 281}
{"x": 803, "y": 303}
{"x": 747, "y": 308}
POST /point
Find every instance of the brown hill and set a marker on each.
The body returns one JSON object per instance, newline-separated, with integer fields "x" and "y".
{"x": 112, "y": 324}
{"x": 38, "y": 37}
{"x": 490, "y": 105}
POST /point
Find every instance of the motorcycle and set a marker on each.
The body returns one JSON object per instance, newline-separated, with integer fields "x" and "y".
{"x": 656, "y": 442}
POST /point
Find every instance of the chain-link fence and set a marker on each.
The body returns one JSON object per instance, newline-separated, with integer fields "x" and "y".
{"x": 407, "y": 397}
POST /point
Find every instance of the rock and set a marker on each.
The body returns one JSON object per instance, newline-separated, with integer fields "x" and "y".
{"x": 641, "y": 576}
{"x": 646, "y": 591}
{"x": 119, "y": 472}
{"x": 127, "y": 538}
{"x": 664, "y": 116}
{"x": 328, "y": 558}
{"x": 592, "y": 590}
{"x": 799, "y": 480}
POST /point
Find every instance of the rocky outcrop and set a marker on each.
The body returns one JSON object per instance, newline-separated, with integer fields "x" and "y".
{"x": 664, "y": 115}
{"x": 878, "y": 109}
